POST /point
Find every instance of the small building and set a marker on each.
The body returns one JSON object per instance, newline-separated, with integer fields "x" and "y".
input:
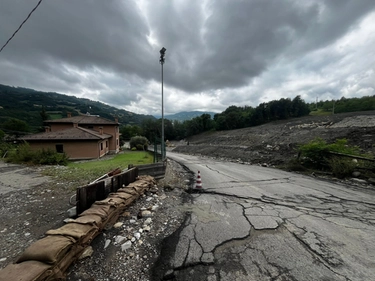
{"x": 80, "y": 137}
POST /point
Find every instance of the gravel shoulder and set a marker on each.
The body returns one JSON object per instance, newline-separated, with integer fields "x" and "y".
{"x": 28, "y": 212}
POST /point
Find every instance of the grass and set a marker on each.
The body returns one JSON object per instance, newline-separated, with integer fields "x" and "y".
{"x": 320, "y": 112}
{"x": 80, "y": 173}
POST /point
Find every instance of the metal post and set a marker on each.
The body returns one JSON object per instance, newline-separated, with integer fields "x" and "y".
{"x": 162, "y": 53}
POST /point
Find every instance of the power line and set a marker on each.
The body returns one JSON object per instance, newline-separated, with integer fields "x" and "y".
{"x": 32, "y": 11}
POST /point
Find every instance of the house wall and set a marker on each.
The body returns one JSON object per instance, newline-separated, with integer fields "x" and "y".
{"x": 114, "y": 142}
{"x": 76, "y": 149}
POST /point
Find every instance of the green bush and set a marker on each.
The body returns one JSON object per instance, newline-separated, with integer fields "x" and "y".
{"x": 140, "y": 143}
{"x": 341, "y": 167}
{"x": 24, "y": 154}
{"x": 318, "y": 151}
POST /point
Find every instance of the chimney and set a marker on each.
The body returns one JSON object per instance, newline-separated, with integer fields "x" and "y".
{"x": 116, "y": 119}
{"x": 75, "y": 125}
{"x": 47, "y": 129}
{"x": 101, "y": 130}
{"x": 69, "y": 114}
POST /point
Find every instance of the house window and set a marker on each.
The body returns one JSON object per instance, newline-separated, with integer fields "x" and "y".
{"x": 106, "y": 144}
{"x": 117, "y": 141}
{"x": 101, "y": 146}
{"x": 59, "y": 148}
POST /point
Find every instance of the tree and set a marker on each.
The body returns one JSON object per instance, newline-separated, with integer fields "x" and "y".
{"x": 16, "y": 127}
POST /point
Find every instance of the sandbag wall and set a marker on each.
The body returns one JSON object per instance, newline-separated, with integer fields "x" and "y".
{"x": 48, "y": 258}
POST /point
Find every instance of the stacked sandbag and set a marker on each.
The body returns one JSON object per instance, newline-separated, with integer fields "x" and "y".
{"x": 48, "y": 258}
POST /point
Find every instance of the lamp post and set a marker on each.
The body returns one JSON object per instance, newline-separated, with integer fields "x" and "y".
{"x": 162, "y": 54}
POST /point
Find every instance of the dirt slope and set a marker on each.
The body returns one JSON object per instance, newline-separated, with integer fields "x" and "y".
{"x": 276, "y": 143}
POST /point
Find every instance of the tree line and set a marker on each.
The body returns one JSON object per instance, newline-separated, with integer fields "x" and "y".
{"x": 234, "y": 117}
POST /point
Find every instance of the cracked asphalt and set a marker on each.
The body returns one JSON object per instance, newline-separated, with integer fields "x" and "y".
{"x": 255, "y": 223}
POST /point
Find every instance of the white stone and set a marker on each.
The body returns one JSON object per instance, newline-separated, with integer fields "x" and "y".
{"x": 106, "y": 244}
{"x": 3, "y": 259}
{"x": 147, "y": 228}
{"x": 148, "y": 221}
{"x": 146, "y": 214}
{"x": 126, "y": 246}
{"x": 132, "y": 221}
{"x": 149, "y": 199}
{"x": 137, "y": 235}
{"x": 120, "y": 239}
{"x": 154, "y": 208}
{"x": 118, "y": 224}
{"x": 133, "y": 240}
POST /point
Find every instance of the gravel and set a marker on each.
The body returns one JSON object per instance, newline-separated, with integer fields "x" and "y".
{"x": 124, "y": 251}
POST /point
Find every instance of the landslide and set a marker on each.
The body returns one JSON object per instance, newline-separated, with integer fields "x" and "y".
{"x": 276, "y": 143}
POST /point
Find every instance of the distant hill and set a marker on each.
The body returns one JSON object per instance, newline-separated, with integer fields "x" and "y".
{"x": 186, "y": 115}
{"x": 26, "y": 104}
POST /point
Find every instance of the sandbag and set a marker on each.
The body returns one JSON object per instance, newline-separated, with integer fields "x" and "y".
{"x": 90, "y": 219}
{"x": 84, "y": 233}
{"x": 48, "y": 250}
{"x": 26, "y": 271}
{"x": 99, "y": 210}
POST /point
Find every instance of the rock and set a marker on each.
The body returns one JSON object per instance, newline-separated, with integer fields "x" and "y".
{"x": 68, "y": 220}
{"x": 126, "y": 214}
{"x": 3, "y": 259}
{"x": 87, "y": 252}
{"x": 149, "y": 199}
{"x": 146, "y": 214}
{"x": 126, "y": 246}
{"x": 371, "y": 180}
{"x": 358, "y": 180}
{"x": 132, "y": 221}
{"x": 120, "y": 239}
{"x": 118, "y": 224}
{"x": 106, "y": 243}
{"x": 72, "y": 212}
{"x": 137, "y": 235}
{"x": 154, "y": 208}
{"x": 147, "y": 228}
{"x": 147, "y": 221}
{"x": 356, "y": 174}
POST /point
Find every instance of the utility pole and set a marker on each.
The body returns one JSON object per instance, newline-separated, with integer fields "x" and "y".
{"x": 162, "y": 54}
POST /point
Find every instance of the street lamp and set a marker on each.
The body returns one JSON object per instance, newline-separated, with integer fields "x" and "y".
{"x": 162, "y": 54}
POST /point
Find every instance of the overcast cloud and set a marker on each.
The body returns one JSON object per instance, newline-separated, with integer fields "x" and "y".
{"x": 219, "y": 52}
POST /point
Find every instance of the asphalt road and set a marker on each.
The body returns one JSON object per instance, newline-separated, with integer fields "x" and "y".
{"x": 255, "y": 223}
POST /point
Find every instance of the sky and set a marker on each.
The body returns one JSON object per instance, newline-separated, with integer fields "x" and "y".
{"x": 218, "y": 52}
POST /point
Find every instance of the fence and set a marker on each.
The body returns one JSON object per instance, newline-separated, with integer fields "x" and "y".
{"x": 99, "y": 190}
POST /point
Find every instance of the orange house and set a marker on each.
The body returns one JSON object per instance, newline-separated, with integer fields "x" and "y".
{"x": 80, "y": 137}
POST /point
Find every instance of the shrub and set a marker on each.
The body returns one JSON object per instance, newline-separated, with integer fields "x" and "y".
{"x": 140, "y": 143}
{"x": 341, "y": 167}
{"x": 24, "y": 154}
{"x": 318, "y": 151}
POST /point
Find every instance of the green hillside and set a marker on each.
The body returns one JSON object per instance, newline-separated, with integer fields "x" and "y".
{"x": 27, "y": 105}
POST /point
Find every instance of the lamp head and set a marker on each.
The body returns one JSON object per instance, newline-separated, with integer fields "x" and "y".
{"x": 162, "y": 51}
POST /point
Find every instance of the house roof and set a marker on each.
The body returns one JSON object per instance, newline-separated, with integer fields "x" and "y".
{"x": 84, "y": 119}
{"x": 68, "y": 134}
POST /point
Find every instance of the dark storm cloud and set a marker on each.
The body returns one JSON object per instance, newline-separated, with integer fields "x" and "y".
{"x": 221, "y": 52}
